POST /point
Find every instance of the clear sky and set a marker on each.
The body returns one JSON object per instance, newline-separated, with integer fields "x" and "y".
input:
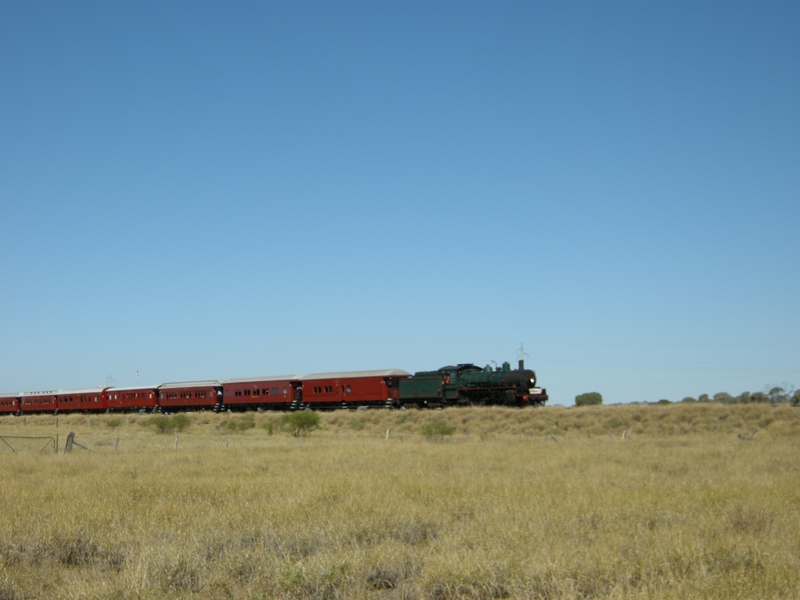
{"x": 229, "y": 189}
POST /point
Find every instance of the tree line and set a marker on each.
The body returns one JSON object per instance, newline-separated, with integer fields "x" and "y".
{"x": 775, "y": 395}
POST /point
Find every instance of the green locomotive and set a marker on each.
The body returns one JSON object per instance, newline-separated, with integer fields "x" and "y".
{"x": 468, "y": 384}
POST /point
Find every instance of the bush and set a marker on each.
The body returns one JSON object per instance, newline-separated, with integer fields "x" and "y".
{"x": 436, "y": 430}
{"x": 114, "y": 422}
{"x": 238, "y": 425}
{"x": 165, "y": 424}
{"x": 588, "y": 399}
{"x": 778, "y": 394}
{"x": 759, "y": 397}
{"x": 301, "y": 423}
{"x": 271, "y": 425}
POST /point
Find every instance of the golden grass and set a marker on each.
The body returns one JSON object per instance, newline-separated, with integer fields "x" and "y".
{"x": 684, "y": 509}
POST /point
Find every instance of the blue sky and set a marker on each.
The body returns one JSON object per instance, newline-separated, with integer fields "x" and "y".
{"x": 218, "y": 190}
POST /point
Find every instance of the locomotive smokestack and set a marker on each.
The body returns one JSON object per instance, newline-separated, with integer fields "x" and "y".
{"x": 521, "y": 364}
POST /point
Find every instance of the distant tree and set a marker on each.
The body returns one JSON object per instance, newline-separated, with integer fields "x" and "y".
{"x": 663, "y": 401}
{"x": 703, "y": 398}
{"x": 778, "y": 394}
{"x": 723, "y": 397}
{"x": 743, "y": 398}
{"x": 588, "y": 399}
{"x": 796, "y": 398}
{"x": 689, "y": 399}
{"x": 759, "y": 397}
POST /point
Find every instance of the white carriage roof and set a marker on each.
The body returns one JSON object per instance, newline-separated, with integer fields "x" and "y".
{"x": 348, "y": 374}
{"x": 189, "y": 384}
{"x": 62, "y": 392}
{"x": 10, "y": 395}
{"x": 257, "y": 379}
{"x": 133, "y": 387}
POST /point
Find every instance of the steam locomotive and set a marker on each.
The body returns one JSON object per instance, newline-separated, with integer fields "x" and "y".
{"x": 467, "y": 384}
{"x": 459, "y": 385}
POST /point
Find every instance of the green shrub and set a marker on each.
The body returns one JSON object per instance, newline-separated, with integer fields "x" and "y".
{"x": 167, "y": 424}
{"x": 240, "y": 424}
{"x": 436, "y": 430}
{"x": 588, "y": 399}
{"x": 759, "y": 397}
{"x": 271, "y": 425}
{"x": 301, "y": 423}
{"x": 114, "y": 422}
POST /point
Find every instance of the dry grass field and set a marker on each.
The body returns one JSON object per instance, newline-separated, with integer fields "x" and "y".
{"x": 682, "y": 509}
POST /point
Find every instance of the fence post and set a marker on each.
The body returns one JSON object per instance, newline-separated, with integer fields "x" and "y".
{"x": 176, "y": 443}
{"x": 387, "y": 434}
{"x": 116, "y": 444}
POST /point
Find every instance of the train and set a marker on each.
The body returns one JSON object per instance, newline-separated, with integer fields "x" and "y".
{"x": 456, "y": 385}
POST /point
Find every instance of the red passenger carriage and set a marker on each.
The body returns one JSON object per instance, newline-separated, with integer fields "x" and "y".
{"x": 132, "y": 398}
{"x": 90, "y": 399}
{"x": 33, "y": 402}
{"x": 191, "y": 394}
{"x": 265, "y": 392}
{"x": 354, "y": 388}
{"x": 9, "y": 403}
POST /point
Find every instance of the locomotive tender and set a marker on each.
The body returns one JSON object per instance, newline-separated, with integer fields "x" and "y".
{"x": 463, "y": 384}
